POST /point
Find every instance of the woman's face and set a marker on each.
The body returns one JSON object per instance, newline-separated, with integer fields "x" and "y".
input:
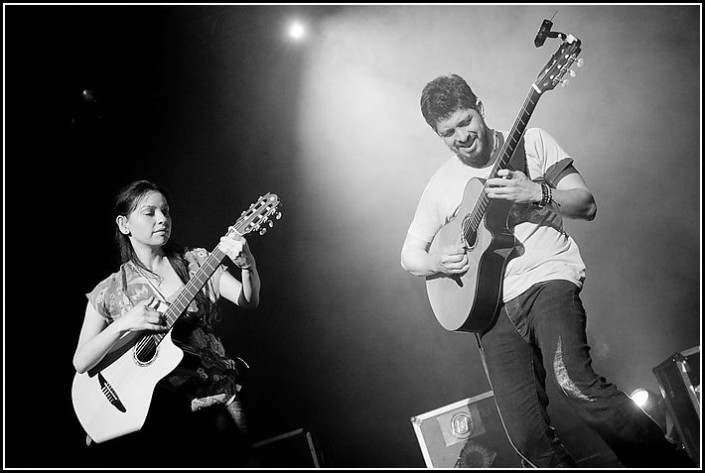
{"x": 150, "y": 222}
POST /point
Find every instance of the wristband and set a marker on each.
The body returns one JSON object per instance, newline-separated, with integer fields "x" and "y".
{"x": 546, "y": 196}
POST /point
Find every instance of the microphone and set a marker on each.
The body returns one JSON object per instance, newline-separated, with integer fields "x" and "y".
{"x": 543, "y": 33}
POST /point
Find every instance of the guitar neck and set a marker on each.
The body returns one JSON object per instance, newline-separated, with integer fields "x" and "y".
{"x": 507, "y": 151}
{"x": 517, "y": 131}
{"x": 193, "y": 286}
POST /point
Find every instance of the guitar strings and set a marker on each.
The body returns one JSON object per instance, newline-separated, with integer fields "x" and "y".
{"x": 150, "y": 342}
{"x": 473, "y": 220}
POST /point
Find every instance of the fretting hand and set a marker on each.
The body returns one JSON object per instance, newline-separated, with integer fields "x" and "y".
{"x": 238, "y": 251}
{"x": 513, "y": 186}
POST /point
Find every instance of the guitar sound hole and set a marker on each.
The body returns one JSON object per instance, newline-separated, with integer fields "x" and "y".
{"x": 146, "y": 350}
{"x": 471, "y": 239}
{"x": 468, "y": 231}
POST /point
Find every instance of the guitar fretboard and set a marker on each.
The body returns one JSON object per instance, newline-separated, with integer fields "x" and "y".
{"x": 192, "y": 287}
{"x": 475, "y": 217}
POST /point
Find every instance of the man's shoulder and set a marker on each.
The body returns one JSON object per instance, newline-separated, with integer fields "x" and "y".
{"x": 450, "y": 167}
{"x": 445, "y": 174}
{"x": 534, "y": 134}
{"x": 538, "y": 135}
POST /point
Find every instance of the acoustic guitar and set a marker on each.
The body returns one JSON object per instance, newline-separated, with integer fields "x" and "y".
{"x": 470, "y": 302}
{"x": 112, "y": 399}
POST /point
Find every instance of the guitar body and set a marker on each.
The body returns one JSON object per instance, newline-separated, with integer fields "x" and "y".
{"x": 113, "y": 398}
{"x": 470, "y": 302}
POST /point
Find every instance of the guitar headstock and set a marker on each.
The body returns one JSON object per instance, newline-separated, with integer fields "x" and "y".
{"x": 257, "y": 215}
{"x": 560, "y": 63}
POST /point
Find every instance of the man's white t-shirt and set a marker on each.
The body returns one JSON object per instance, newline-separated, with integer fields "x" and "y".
{"x": 549, "y": 253}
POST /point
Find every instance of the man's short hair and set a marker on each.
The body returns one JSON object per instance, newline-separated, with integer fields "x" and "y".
{"x": 443, "y": 96}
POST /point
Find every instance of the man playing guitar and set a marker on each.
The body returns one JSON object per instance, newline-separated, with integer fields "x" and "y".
{"x": 532, "y": 327}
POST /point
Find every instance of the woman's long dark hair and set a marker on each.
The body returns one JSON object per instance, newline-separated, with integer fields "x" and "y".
{"x": 125, "y": 203}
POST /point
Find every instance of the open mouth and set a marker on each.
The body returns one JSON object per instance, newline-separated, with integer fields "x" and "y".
{"x": 468, "y": 147}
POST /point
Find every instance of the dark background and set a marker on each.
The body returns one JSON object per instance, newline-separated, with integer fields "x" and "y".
{"x": 214, "y": 103}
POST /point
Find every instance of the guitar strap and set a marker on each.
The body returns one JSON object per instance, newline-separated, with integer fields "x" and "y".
{"x": 518, "y": 163}
{"x": 518, "y": 160}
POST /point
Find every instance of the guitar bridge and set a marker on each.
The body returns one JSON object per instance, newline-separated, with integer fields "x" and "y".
{"x": 110, "y": 394}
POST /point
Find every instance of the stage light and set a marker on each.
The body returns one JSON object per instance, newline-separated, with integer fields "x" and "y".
{"x": 89, "y": 96}
{"x": 297, "y": 30}
{"x": 652, "y": 404}
{"x": 640, "y": 397}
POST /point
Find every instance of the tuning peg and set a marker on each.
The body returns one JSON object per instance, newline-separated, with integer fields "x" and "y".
{"x": 579, "y": 62}
{"x": 270, "y": 223}
{"x": 572, "y": 73}
{"x": 263, "y": 231}
{"x": 564, "y": 82}
{"x": 278, "y": 215}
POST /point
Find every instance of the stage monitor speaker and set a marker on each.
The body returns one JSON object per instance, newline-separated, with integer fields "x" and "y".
{"x": 465, "y": 434}
{"x": 679, "y": 380}
{"x": 294, "y": 449}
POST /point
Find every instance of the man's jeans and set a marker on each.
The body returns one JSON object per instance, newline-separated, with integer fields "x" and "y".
{"x": 541, "y": 335}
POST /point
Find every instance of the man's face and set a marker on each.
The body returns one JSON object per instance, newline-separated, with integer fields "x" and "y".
{"x": 467, "y": 135}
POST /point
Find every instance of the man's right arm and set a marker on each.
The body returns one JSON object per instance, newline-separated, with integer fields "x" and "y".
{"x": 416, "y": 259}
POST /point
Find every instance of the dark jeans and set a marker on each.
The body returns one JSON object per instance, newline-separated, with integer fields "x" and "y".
{"x": 539, "y": 336}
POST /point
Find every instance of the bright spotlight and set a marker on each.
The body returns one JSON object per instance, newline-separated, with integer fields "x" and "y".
{"x": 640, "y": 397}
{"x": 297, "y": 30}
{"x": 652, "y": 404}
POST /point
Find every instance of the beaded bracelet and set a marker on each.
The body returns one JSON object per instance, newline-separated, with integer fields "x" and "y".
{"x": 546, "y": 195}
